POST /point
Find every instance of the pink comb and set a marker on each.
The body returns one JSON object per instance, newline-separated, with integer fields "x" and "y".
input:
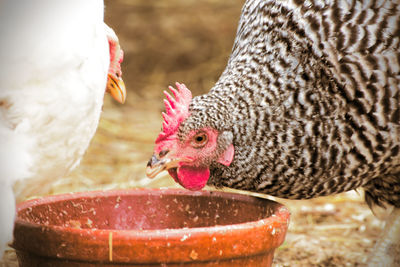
{"x": 177, "y": 110}
{"x": 116, "y": 53}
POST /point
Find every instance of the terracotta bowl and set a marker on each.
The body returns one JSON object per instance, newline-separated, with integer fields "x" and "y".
{"x": 142, "y": 227}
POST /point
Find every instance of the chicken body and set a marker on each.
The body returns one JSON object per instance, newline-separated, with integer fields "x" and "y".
{"x": 54, "y": 62}
{"x": 310, "y": 101}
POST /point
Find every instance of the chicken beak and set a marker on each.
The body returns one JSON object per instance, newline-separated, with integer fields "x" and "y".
{"x": 116, "y": 87}
{"x": 157, "y": 164}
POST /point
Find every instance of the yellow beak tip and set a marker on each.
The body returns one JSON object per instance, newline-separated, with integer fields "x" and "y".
{"x": 116, "y": 87}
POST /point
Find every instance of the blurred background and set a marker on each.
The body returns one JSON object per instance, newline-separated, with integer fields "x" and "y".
{"x": 190, "y": 41}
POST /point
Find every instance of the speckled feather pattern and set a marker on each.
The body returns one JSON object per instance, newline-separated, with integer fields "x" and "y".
{"x": 311, "y": 95}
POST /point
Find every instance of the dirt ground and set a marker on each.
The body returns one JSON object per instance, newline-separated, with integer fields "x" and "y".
{"x": 189, "y": 41}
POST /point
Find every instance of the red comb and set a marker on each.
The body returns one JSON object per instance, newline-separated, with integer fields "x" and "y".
{"x": 177, "y": 109}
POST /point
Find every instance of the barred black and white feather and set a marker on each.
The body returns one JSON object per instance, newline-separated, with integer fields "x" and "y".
{"x": 311, "y": 94}
{"x": 308, "y": 106}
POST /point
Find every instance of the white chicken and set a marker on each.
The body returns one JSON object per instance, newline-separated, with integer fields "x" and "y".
{"x": 56, "y": 60}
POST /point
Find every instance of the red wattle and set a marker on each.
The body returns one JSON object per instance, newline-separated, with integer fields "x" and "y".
{"x": 192, "y": 178}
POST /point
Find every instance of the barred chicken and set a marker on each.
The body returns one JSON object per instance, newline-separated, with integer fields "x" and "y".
{"x": 57, "y": 58}
{"x": 308, "y": 106}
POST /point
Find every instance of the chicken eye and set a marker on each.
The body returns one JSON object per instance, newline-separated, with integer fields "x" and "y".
{"x": 200, "y": 140}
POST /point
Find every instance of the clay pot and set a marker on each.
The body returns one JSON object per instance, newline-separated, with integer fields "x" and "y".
{"x": 141, "y": 227}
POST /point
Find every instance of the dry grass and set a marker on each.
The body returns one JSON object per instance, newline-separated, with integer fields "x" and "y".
{"x": 189, "y": 41}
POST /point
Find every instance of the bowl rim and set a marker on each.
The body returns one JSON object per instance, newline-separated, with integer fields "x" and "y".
{"x": 184, "y": 239}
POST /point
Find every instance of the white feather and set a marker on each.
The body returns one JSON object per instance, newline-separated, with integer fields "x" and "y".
{"x": 54, "y": 62}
